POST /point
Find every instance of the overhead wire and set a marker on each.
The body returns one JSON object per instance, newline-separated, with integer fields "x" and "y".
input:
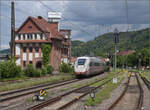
{"x": 77, "y": 27}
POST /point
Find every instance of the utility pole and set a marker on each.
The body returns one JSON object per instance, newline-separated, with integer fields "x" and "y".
{"x": 12, "y": 44}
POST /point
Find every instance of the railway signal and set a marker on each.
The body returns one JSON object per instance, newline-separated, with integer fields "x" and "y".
{"x": 92, "y": 95}
{"x": 39, "y": 96}
{"x": 116, "y": 40}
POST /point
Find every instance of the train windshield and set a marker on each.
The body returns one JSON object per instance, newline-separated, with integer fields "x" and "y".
{"x": 81, "y": 61}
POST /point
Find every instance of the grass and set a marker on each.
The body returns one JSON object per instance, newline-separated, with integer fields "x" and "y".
{"x": 42, "y": 80}
{"x": 146, "y": 74}
{"x": 16, "y": 78}
{"x": 105, "y": 92}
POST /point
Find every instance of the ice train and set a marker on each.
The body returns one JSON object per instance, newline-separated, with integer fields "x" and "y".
{"x": 86, "y": 66}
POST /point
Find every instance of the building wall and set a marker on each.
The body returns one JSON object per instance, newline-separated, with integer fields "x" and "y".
{"x": 27, "y": 28}
{"x": 55, "y": 55}
{"x": 25, "y": 37}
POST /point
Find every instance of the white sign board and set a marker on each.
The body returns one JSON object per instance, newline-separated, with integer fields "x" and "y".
{"x": 54, "y": 15}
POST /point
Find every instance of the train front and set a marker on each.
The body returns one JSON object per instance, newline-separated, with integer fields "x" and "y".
{"x": 81, "y": 66}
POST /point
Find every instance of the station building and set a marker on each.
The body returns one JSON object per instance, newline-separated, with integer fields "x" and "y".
{"x": 34, "y": 32}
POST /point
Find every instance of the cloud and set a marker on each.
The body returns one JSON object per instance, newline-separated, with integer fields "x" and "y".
{"x": 86, "y": 19}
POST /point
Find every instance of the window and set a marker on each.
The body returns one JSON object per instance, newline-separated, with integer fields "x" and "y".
{"x": 28, "y": 36}
{"x": 24, "y": 49}
{"x": 35, "y": 36}
{"x": 31, "y": 36}
{"x": 19, "y": 37}
{"x": 24, "y": 37}
{"x": 24, "y": 63}
{"x": 30, "y": 27}
{"x": 96, "y": 64}
{"x": 30, "y": 49}
{"x": 41, "y": 36}
{"x": 91, "y": 64}
{"x": 65, "y": 40}
{"x": 30, "y": 62}
{"x": 81, "y": 61}
{"x": 36, "y": 49}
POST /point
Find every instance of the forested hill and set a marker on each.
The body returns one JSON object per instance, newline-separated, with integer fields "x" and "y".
{"x": 104, "y": 44}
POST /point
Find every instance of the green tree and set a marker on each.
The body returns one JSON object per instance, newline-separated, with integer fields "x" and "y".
{"x": 145, "y": 54}
{"x": 9, "y": 69}
{"x": 46, "y": 48}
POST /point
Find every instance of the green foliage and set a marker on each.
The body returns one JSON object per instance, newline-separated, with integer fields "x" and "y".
{"x": 46, "y": 52}
{"x": 9, "y": 69}
{"x": 37, "y": 73}
{"x": 104, "y": 44}
{"x": 65, "y": 68}
{"x": 133, "y": 59}
{"x": 29, "y": 70}
{"x": 49, "y": 69}
{"x": 44, "y": 70}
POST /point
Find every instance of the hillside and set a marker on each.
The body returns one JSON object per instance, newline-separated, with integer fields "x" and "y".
{"x": 5, "y": 51}
{"x": 105, "y": 44}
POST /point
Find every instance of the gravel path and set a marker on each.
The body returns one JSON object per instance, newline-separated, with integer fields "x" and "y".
{"x": 146, "y": 102}
{"x": 105, "y": 104}
{"x": 130, "y": 100}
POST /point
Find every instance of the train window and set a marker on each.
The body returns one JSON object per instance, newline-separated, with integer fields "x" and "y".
{"x": 81, "y": 61}
{"x": 96, "y": 64}
{"x": 91, "y": 64}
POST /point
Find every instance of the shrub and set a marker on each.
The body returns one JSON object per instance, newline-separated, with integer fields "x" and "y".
{"x": 37, "y": 73}
{"x": 49, "y": 69}
{"x": 44, "y": 70}
{"x": 65, "y": 68}
{"x": 29, "y": 70}
{"x": 9, "y": 69}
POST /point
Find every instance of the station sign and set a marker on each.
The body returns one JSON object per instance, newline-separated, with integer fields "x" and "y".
{"x": 56, "y": 15}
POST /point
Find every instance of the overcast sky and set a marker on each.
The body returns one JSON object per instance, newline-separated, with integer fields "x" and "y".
{"x": 86, "y": 19}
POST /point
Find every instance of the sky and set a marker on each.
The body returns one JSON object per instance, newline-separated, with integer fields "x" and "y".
{"x": 86, "y": 18}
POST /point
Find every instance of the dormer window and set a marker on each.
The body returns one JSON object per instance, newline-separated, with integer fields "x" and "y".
{"x": 30, "y": 27}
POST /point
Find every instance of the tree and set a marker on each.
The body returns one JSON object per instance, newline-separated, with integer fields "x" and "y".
{"x": 46, "y": 48}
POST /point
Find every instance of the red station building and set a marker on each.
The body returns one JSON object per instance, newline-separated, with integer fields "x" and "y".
{"x": 37, "y": 31}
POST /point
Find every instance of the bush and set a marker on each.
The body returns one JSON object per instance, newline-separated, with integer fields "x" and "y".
{"x": 65, "y": 68}
{"x": 49, "y": 69}
{"x": 44, "y": 70}
{"x": 37, "y": 73}
{"x": 9, "y": 69}
{"x": 29, "y": 70}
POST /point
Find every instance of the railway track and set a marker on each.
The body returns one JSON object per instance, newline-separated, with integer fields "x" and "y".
{"x": 67, "y": 99}
{"x": 146, "y": 81}
{"x": 26, "y": 91}
{"x": 140, "y": 98}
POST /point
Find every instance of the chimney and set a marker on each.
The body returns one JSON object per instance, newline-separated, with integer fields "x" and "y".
{"x": 39, "y": 17}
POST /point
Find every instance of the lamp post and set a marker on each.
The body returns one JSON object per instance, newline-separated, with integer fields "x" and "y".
{"x": 116, "y": 40}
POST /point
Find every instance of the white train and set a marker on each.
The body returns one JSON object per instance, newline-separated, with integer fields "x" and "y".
{"x": 86, "y": 66}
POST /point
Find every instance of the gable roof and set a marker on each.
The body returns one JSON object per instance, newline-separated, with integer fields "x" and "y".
{"x": 45, "y": 26}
